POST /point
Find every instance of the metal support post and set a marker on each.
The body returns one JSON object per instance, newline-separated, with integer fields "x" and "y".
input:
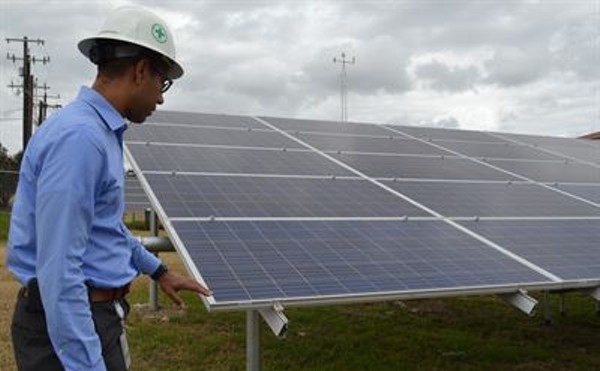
{"x": 547, "y": 308}
{"x": 153, "y": 286}
{"x": 252, "y": 341}
{"x": 562, "y": 305}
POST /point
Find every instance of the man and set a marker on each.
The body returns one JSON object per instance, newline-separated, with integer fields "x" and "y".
{"x": 67, "y": 244}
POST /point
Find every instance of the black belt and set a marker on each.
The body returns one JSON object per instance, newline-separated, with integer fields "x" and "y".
{"x": 96, "y": 295}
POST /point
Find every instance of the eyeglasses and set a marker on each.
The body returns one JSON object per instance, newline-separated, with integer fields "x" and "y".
{"x": 166, "y": 85}
{"x": 166, "y": 82}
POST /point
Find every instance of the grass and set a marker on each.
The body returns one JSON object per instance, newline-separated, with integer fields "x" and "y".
{"x": 4, "y": 221}
{"x": 474, "y": 333}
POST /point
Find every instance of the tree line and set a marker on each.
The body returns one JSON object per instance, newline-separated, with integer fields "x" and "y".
{"x": 9, "y": 167}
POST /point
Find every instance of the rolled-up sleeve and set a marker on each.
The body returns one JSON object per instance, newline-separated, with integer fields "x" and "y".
{"x": 144, "y": 260}
{"x": 67, "y": 183}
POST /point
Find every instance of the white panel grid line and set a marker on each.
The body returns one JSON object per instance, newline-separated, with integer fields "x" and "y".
{"x": 386, "y": 154}
{"x": 522, "y": 177}
{"x": 423, "y": 207}
{"x": 459, "y": 181}
{"x": 549, "y": 151}
{"x": 192, "y": 145}
{"x": 573, "y": 183}
{"x": 370, "y": 218}
{"x": 250, "y": 175}
{"x": 305, "y": 218}
{"x": 179, "y": 246}
{"x": 345, "y": 135}
{"x": 192, "y": 126}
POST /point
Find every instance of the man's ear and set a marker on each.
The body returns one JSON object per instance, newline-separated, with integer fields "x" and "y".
{"x": 140, "y": 70}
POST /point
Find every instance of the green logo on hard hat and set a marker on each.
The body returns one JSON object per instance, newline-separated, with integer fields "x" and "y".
{"x": 159, "y": 33}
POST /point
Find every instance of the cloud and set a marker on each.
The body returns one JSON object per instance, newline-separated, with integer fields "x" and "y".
{"x": 512, "y": 66}
{"x": 440, "y": 76}
{"x": 496, "y": 64}
{"x": 576, "y": 47}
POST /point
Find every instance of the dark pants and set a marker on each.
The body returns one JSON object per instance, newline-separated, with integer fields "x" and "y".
{"x": 32, "y": 346}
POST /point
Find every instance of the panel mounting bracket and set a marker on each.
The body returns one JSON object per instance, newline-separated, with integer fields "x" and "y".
{"x": 275, "y": 318}
{"x": 521, "y": 301}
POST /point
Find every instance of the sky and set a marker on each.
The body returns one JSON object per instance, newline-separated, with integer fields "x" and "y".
{"x": 510, "y": 66}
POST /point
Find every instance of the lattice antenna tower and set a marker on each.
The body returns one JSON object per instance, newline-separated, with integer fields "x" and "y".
{"x": 343, "y": 84}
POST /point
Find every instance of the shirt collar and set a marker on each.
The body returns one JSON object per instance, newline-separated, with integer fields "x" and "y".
{"x": 111, "y": 117}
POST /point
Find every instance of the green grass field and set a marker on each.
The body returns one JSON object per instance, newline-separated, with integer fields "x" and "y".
{"x": 475, "y": 333}
{"x": 4, "y": 221}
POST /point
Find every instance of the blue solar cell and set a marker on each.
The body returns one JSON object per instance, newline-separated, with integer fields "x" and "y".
{"x": 589, "y": 192}
{"x": 493, "y": 199}
{"x": 231, "y": 160}
{"x": 327, "y": 126}
{"x": 544, "y": 141}
{"x": 588, "y": 154}
{"x": 445, "y": 134}
{"x": 391, "y": 144}
{"x": 450, "y": 168}
{"x": 566, "y": 248}
{"x": 496, "y": 150}
{"x": 135, "y": 197}
{"x": 279, "y": 260}
{"x": 225, "y": 196}
{"x": 203, "y": 119}
{"x": 202, "y": 135}
{"x": 546, "y": 171}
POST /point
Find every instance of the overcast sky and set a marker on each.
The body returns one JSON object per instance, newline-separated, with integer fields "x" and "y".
{"x": 511, "y": 66}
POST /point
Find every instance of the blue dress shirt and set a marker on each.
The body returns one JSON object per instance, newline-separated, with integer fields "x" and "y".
{"x": 66, "y": 228}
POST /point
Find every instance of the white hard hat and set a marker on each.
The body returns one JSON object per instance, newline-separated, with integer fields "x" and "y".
{"x": 137, "y": 26}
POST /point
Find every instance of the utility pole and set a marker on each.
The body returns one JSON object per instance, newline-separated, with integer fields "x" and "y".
{"x": 27, "y": 83}
{"x": 43, "y": 104}
{"x": 343, "y": 86}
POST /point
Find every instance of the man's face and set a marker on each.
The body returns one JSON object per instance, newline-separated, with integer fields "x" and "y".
{"x": 151, "y": 83}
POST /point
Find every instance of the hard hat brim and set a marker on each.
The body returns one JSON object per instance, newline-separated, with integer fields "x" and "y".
{"x": 175, "y": 69}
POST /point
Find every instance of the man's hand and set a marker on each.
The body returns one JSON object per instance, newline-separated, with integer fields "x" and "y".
{"x": 171, "y": 282}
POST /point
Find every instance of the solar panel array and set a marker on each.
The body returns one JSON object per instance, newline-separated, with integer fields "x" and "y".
{"x": 266, "y": 209}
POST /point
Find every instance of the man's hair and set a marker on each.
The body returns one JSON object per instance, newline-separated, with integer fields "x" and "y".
{"x": 117, "y": 67}
{"x": 114, "y": 58}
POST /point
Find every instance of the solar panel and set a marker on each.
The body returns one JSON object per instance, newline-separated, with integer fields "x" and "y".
{"x": 203, "y": 119}
{"x": 567, "y": 248}
{"x": 589, "y": 192}
{"x": 545, "y": 141}
{"x": 262, "y": 218}
{"x": 551, "y": 171}
{"x": 390, "y": 144}
{"x": 231, "y": 160}
{"x": 421, "y": 167}
{"x": 248, "y": 261}
{"x": 202, "y": 135}
{"x": 446, "y": 134}
{"x": 326, "y": 126}
{"x": 496, "y": 150}
{"x": 230, "y": 196}
{"x": 493, "y": 199}
{"x": 135, "y": 199}
{"x": 588, "y": 154}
